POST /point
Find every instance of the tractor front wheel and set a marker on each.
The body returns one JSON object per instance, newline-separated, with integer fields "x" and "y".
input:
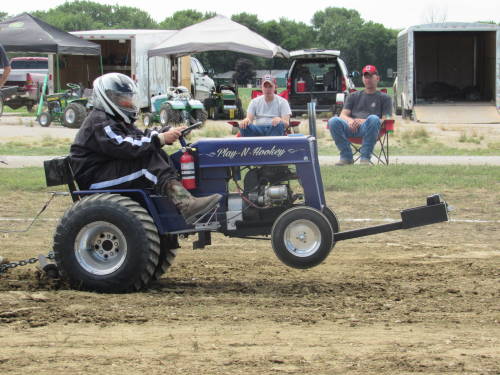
{"x": 73, "y": 115}
{"x": 147, "y": 119}
{"x": 44, "y": 119}
{"x": 107, "y": 243}
{"x": 302, "y": 237}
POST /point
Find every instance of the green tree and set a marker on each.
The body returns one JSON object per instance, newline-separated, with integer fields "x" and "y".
{"x": 3, "y": 16}
{"x": 339, "y": 28}
{"x": 89, "y": 15}
{"x": 244, "y": 71}
{"x": 184, "y": 18}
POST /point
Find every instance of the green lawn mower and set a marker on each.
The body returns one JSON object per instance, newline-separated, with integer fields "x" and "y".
{"x": 224, "y": 103}
{"x": 68, "y": 107}
{"x": 175, "y": 107}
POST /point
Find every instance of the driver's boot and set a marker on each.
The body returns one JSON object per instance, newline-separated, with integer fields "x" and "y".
{"x": 190, "y": 207}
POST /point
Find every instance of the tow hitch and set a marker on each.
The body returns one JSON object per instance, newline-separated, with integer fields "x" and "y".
{"x": 435, "y": 211}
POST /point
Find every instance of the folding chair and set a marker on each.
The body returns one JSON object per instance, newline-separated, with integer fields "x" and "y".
{"x": 258, "y": 92}
{"x": 382, "y": 155}
{"x": 290, "y": 130}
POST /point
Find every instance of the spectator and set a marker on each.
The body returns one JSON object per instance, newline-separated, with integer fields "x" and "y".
{"x": 361, "y": 117}
{"x": 268, "y": 114}
{"x": 110, "y": 152}
{"x": 5, "y": 64}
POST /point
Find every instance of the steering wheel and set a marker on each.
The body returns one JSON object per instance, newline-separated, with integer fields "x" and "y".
{"x": 187, "y": 131}
{"x": 73, "y": 86}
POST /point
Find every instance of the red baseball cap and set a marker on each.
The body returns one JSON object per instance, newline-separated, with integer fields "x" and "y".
{"x": 370, "y": 69}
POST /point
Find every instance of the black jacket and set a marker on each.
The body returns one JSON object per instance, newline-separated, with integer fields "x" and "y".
{"x": 102, "y": 140}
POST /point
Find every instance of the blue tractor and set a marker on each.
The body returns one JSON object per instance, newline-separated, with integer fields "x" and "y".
{"x": 122, "y": 240}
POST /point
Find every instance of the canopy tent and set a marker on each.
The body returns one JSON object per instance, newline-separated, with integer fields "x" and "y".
{"x": 217, "y": 34}
{"x": 25, "y": 33}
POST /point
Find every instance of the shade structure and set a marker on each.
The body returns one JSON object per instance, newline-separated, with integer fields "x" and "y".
{"x": 217, "y": 34}
{"x": 26, "y": 33}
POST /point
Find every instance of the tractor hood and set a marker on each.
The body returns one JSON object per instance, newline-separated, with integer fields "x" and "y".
{"x": 293, "y": 149}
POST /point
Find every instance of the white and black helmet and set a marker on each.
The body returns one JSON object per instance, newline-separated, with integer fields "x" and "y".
{"x": 116, "y": 94}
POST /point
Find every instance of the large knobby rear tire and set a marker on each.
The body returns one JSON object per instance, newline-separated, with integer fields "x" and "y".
{"x": 107, "y": 243}
{"x": 168, "y": 115}
{"x": 168, "y": 246}
{"x": 200, "y": 115}
{"x": 73, "y": 115}
{"x": 302, "y": 237}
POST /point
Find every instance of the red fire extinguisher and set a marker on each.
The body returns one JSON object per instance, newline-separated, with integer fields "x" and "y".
{"x": 188, "y": 174}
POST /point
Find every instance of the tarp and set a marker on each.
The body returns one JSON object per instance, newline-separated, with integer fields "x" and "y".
{"x": 26, "y": 33}
{"x": 217, "y": 34}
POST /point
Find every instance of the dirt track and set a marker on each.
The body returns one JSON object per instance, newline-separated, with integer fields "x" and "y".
{"x": 418, "y": 301}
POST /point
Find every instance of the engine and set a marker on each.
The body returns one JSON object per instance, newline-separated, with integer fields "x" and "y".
{"x": 266, "y": 194}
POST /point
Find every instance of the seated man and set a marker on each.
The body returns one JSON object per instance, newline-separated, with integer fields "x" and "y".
{"x": 361, "y": 117}
{"x": 268, "y": 114}
{"x": 109, "y": 152}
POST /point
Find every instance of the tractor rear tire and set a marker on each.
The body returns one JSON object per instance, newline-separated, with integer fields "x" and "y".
{"x": 107, "y": 243}
{"x": 73, "y": 115}
{"x": 168, "y": 115}
{"x": 168, "y": 252}
{"x": 45, "y": 119}
{"x": 200, "y": 115}
{"x": 302, "y": 237}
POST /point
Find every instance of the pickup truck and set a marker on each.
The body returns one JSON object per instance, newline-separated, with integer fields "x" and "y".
{"x": 26, "y": 75}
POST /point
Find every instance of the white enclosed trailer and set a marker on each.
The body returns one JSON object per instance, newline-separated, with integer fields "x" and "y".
{"x": 449, "y": 72}
{"x": 123, "y": 51}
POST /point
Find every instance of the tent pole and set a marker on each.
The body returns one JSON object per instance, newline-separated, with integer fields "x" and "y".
{"x": 101, "y": 65}
{"x": 149, "y": 93}
{"x": 58, "y": 73}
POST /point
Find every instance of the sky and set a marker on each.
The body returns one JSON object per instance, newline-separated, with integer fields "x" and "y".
{"x": 397, "y": 14}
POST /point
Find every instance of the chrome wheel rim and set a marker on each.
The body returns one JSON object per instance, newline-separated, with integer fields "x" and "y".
{"x": 44, "y": 120}
{"x": 70, "y": 116}
{"x": 163, "y": 117}
{"x": 302, "y": 238}
{"x": 100, "y": 248}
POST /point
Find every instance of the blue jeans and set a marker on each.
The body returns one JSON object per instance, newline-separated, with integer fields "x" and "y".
{"x": 263, "y": 130}
{"x": 368, "y": 130}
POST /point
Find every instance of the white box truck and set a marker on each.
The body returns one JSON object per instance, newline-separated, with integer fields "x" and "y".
{"x": 449, "y": 72}
{"x": 123, "y": 51}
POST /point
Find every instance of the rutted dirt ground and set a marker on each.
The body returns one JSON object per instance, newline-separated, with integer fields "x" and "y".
{"x": 417, "y": 301}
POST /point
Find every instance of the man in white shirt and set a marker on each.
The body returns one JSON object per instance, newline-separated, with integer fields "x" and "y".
{"x": 268, "y": 114}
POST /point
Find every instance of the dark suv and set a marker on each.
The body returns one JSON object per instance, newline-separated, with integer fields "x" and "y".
{"x": 317, "y": 74}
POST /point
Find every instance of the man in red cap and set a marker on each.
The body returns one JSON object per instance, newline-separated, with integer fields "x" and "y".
{"x": 268, "y": 114}
{"x": 361, "y": 118}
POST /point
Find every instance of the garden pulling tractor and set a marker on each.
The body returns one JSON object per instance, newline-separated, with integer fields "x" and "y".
{"x": 175, "y": 107}
{"x": 68, "y": 107}
{"x": 122, "y": 240}
{"x": 224, "y": 103}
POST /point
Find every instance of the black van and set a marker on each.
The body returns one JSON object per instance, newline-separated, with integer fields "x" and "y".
{"x": 317, "y": 74}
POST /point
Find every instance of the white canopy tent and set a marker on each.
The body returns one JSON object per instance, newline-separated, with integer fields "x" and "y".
{"x": 217, "y": 34}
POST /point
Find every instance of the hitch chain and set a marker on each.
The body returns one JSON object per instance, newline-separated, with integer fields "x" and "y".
{"x": 6, "y": 266}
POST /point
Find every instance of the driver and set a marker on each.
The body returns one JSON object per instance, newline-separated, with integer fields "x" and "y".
{"x": 109, "y": 152}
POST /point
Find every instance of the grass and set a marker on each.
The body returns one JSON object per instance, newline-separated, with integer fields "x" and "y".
{"x": 347, "y": 179}
{"x": 44, "y": 146}
{"x": 20, "y": 111}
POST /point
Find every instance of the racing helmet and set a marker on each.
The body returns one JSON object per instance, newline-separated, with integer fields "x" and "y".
{"x": 116, "y": 94}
